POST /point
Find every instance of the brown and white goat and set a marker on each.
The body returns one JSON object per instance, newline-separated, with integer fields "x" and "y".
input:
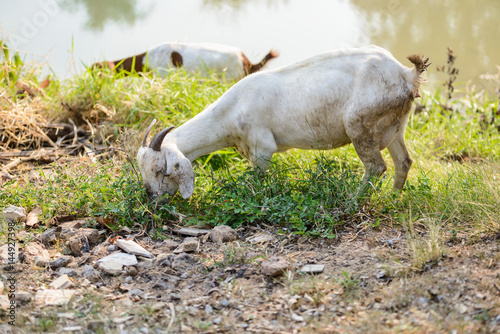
{"x": 204, "y": 57}
{"x": 361, "y": 96}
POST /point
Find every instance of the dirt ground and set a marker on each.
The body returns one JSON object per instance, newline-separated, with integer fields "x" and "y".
{"x": 365, "y": 286}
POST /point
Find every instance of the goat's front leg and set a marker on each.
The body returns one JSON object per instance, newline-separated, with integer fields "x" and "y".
{"x": 401, "y": 158}
{"x": 263, "y": 146}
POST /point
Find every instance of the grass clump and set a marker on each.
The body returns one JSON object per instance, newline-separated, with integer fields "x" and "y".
{"x": 454, "y": 181}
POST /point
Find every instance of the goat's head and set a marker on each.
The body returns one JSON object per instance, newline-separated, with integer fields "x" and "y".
{"x": 164, "y": 169}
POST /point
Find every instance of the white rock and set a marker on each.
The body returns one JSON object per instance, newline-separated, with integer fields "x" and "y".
{"x": 52, "y": 297}
{"x": 188, "y": 245}
{"x": 111, "y": 267}
{"x": 191, "y": 231}
{"x": 4, "y": 302}
{"x": 32, "y": 218}
{"x": 313, "y": 268}
{"x": 62, "y": 282}
{"x": 41, "y": 261}
{"x": 132, "y": 247}
{"x": 13, "y": 213}
{"x": 120, "y": 257}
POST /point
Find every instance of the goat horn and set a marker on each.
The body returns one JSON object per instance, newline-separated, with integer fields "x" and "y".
{"x": 147, "y": 132}
{"x": 158, "y": 139}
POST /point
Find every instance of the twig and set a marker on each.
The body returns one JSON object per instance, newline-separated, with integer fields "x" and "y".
{"x": 44, "y": 136}
{"x": 172, "y": 316}
{"x": 75, "y": 131}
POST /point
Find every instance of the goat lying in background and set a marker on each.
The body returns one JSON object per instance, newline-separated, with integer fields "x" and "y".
{"x": 201, "y": 57}
{"x": 360, "y": 96}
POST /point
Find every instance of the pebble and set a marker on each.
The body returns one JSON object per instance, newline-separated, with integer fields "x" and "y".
{"x": 209, "y": 309}
{"x": 66, "y": 271}
{"x": 224, "y": 302}
{"x": 52, "y": 297}
{"x": 132, "y": 247}
{"x": 120, "y": 257}
{"x": 313, "y": 268}
{"x": 14, "y": 213}
{"x": 217, "y": 321}
{"x": 274, "y": 266}
{"x": 41, "y": 261}
{"x": 62, "y": 282}
{"x": 223, "y": 233}
{"x": 63, "y": 261}
{"x": 91, "y": 273}
{"x": 111, "y": 267}
{"x": 188, "y": 245}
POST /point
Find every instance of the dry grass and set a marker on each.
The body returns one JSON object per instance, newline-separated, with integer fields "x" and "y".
{"x": 20, "y": 124}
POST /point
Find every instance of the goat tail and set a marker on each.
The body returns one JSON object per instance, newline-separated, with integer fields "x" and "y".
{"x": 421, "y": 64}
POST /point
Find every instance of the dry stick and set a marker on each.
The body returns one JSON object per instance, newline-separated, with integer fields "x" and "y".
{"x": 75, "y": 131}
{"x": 172, "y": 316}
{"x": 44, "y": 136}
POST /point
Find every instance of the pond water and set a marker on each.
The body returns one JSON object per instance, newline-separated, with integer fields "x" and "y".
{"x": 62, "y": 35}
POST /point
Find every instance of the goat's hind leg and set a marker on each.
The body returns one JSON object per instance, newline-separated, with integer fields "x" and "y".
{"x": 368, "y": 151}
{"x": 401, "y": 158}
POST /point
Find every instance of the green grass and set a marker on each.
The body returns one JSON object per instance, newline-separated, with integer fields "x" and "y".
{"x": 454, "y": 180}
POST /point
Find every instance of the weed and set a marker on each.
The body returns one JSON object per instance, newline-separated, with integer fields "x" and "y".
{"x": 350, "y": 283}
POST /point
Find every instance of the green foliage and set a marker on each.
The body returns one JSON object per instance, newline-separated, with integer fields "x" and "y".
{"x": 455, "y": 180}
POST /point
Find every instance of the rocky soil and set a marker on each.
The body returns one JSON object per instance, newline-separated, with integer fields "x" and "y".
{"x": 79, "y": 276}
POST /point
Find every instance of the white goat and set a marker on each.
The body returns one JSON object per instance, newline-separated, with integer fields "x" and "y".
{"x": 361, "y": 96}
{"x": 203, "y": 57}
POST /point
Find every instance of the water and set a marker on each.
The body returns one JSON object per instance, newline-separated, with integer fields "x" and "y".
{"x": 63, "y": 35}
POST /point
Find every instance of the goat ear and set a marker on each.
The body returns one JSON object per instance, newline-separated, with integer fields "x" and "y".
{"x": 147, "y": 132}
{"x": 158, "y": 139}
{"x": 183, "y": 174}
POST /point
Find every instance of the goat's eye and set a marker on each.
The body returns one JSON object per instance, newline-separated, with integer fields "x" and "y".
{"x": 176, "y": 166}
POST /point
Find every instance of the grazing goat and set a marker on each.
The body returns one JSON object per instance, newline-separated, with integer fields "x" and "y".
{"x": 202, "y": 57}
{"x": 360, "y": 96}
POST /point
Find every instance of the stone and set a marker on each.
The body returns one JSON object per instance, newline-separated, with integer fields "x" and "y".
{"x": 188, "y": 245}
{"x": 274, "y": 266}
{"x": 36, "y": 248}
{"x": 120, "y": 257}
{"x": 53, "y": 297}
{"x": 313, "y": 268}
{"x": 80, "y": 240}
{"x": 4, "y": 302}
{"x": 112, "y": 248}
{"x": 62, "y": 282}
{"x": 217, "y": 321}
{"x": 224, "y": 302}
{"x": 130, "y": 271}
{"x": 132, "y": 247}
{"x": 193, "y": 232}
{"x": 74, "y": 224}
{"x": 66, "y": 271}
{"x": 183, "y": 262}
{"x": 95, "y": 325}
{"x": 14, "y": 213}
{"x": 170, "y": 244}
{"x": 50, "y": 236}
{"x": 260, "y": 238}
{"x": 381, "y": 274}
{"x": 32, "y": 218}
{"x": 111, "y": 267}
{"x": 164, "y": 260}
{"x": 62, "y": 261}
{"x": 223, "y": 233}
{"x": 91, "y": 273}
{"x": 41, "y": 261}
